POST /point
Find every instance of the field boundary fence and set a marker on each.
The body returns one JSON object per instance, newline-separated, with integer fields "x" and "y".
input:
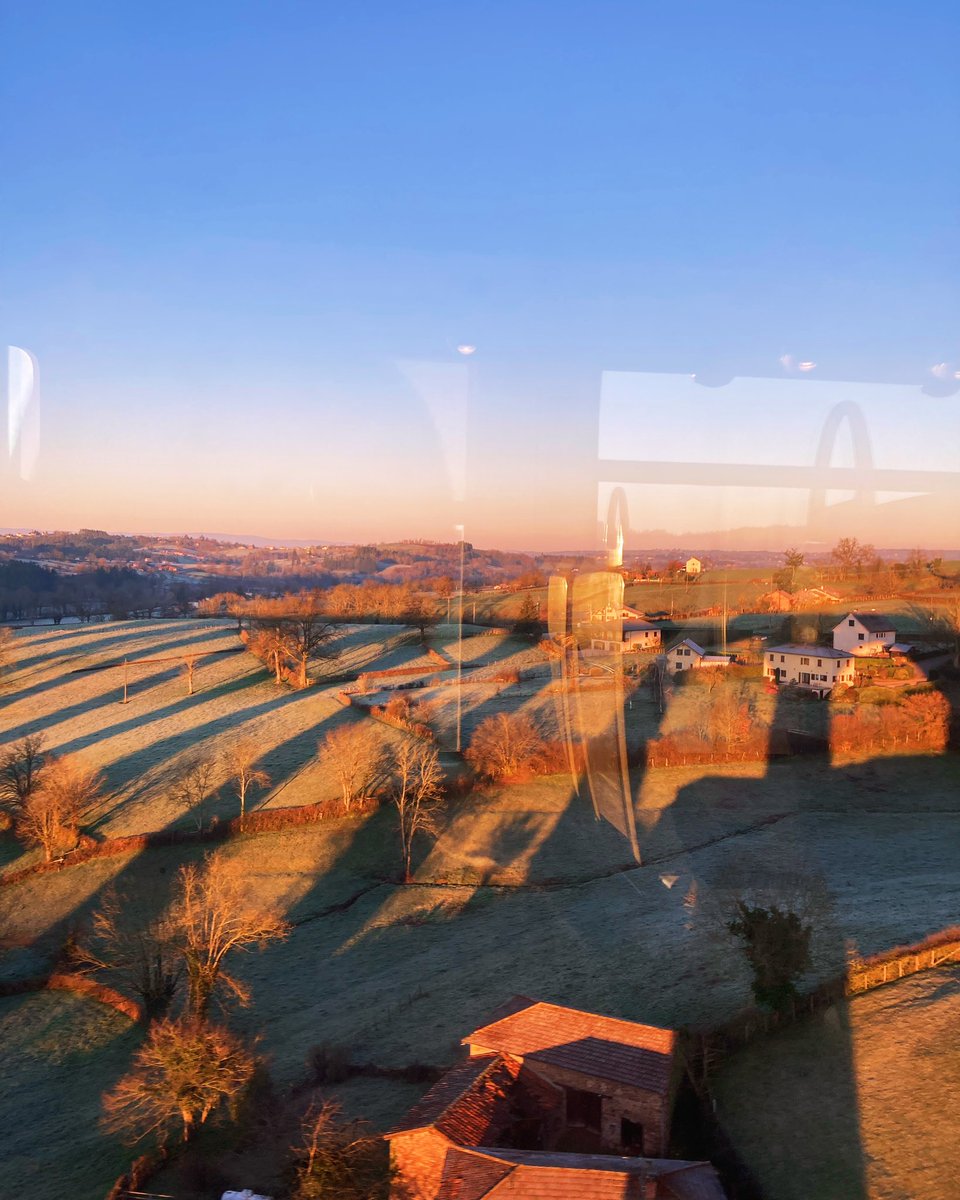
{"x": 258, "y": 821}
{"x": 708, "y": 1046}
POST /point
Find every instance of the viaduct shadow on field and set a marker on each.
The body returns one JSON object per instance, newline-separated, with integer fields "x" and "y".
{"x": 671, "y": 845}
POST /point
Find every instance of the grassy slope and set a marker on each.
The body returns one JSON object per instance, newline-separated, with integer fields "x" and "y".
{"x": 883, "y": 1124}
{"x": 60, "y": 1054}
{"x": 140, "y": 745}
{"x": 400, "y": 974}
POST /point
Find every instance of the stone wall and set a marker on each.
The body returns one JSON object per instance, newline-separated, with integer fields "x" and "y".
{"x": 418, "y": 1159}
{"x": 619, "y": 1101}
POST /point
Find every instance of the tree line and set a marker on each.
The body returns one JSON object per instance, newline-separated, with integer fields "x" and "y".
{"x": 29, "y": 591}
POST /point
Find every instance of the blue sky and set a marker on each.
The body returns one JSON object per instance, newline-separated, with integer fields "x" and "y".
{"x": 222, "y": 230}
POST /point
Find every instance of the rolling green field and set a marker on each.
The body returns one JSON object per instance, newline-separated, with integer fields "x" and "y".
{"x": 523, "y": 891}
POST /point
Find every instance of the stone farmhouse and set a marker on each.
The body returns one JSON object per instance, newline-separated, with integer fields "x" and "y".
{"x": 694, "y": 566}
{"x": 689, "y": 656}
{"x": 818, "y": 668}
{"x": 864, "y": 633}
{"x": 552, "y": 1103}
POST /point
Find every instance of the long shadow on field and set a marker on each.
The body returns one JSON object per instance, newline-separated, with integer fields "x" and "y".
{"x": 72, "y": 649}
{"x": 948, "y": 988}
{"x": 148, "y": 879}
{"x": 137, "y": 687}
{"x": 114, "y": 672}
{"x": 161, "y": 751}
{"x": 61, "y": 1053}
{"x": 796, "y": 850}
{"x": 284, "y": 761}
{"x": 82, "y": 707}
{"x": 669, "y": 843}
{"x": 241, "y": 682}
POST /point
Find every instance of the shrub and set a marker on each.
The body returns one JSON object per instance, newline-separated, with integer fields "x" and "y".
{"x": 329, "y": 1062}
{"x": 505, "y": 744}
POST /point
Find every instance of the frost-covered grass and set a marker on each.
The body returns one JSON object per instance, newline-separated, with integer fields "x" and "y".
{"x": 60, "y": 1053}
{"x": 404, "y": 972}
{"x": 142, "y": 745}
{"x": 860, "y": 1100}
{"x": 524, "y": 891}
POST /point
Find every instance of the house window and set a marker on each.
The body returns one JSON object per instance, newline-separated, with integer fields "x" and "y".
{"x": 679, "y": 666}
{"x": 850, "y": 623}
{"x": 583, "y": 1108}
{"x": 819, "y": 662}
{"x": 631, "y": 1136}
{"x": 782, "y": 659}
{"x": 859, "y": 637}
{"x": 804, "y": 662}
{"x": 771, "y": 658}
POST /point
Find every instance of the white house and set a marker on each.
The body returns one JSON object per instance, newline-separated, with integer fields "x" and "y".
{"x": 694, "y": 566}
{"x": 864, "y": 633}
{"x": 688, "y": 656}
{"x": 819, "y": 668}
{"x": 637, "y": 637}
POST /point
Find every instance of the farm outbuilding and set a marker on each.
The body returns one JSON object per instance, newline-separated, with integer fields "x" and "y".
{"x": 539, "y": 1074}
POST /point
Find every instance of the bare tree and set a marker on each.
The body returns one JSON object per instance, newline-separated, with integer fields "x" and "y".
{"x": 505, "y": 744}
{"x": 846, "y": 554}
{"x": 269, "y": 643}
{"x": 730, "y": 718}
{"x": 214, "y": 916}
{"x": 21, "y": 769}
{"x": 144, "y": 960}
{"x": 417, "y": 795}
{"x": 193, "y": 784}
{"x": 6, "y": 646}
{"x": 421, "y": 614}
{"x": 356, "y": 756}
{"x": 241, "y": 758}
{"x": 185, "y": 1071}
{"x": 223, "y": 604}
{"x": 53, "y": 809}
{"x": 294, "y": 628}
{"x": 189, "y": 670}
{"x": 337, "y": 1158}
{"x": 308, "y": 631}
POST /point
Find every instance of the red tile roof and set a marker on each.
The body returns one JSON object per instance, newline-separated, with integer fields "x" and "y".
{"x": 469, "y": 1104}
{"x": 601, "y": 1047}
{"x": 470, "y": 1174}
{"x": 563, "y": 1183}
{"x": 483, "y": 1172}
